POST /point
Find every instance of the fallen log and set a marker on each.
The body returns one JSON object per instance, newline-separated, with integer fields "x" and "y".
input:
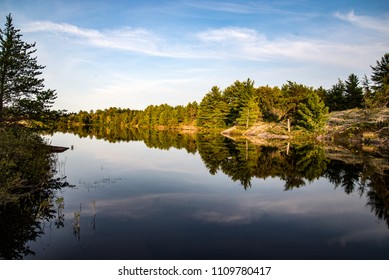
{"x": 57, "y": 149}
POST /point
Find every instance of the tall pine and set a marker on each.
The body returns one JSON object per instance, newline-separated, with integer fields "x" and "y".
{"x": 380, "y": 79}
{"x": 22, "y": 93}
{"x": 213, "y": 110}
{"x": 353, "y": 92}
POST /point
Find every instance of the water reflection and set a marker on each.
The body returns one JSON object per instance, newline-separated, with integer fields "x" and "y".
{"x": 150, "y": 204}
{"x": 353, "y": 171}
{"x": 27, "y": 191}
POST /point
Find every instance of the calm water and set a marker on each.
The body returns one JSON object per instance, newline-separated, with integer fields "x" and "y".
{"x": 210, "y": 199}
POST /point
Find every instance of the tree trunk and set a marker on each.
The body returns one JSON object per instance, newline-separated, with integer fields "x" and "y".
{"x": 248, "y": 117}
{"x": 288, "y": 125}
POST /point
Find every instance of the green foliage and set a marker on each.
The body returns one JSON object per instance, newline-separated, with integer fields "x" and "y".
{"x": 117, "y": 118}
{"x": 349, "y": 94}
{"x": 294, "y": 94}
{"x": 312, "y": 113}
{"x": 249, "y": 114}
{"x": 271, "y": 103}
{"x": 26, "y": 164}
{"x": 213, "y": 110}
{"x": 353, "y": 93}
{"x": 22, "y": 93}
{"x": 238, "y": 97}
{"x": 380, "y": 79}
{"x": 335, "y": 99}
{"x": 345, "y": 95}
{"x": 380, "y": 73}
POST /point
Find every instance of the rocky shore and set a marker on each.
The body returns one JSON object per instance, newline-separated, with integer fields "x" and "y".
{"x": 368, "y": 129}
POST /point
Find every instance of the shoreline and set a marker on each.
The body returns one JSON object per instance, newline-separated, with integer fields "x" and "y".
{"x": 355, "y": 127}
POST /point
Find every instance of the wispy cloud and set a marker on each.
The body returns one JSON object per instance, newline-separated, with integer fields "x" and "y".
{"x": 219, "y": 43}
{"x": 130, "y": 39}
{"x": 376, "y": 24}
{"x": 222, "y": 54}
{"x": 289, "y": 11}
{"x": 230, "y": 34}
{"x": 222, "y": 6}
{"x": 248, "y": 44}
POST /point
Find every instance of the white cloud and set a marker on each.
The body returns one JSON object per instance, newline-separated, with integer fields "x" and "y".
{"x": 100, "y": 65}
{"x": 230, "y": 34}
{"x": 376, "y": 24}
{"x": 248, "y": 44}
{"x": 130, "y": 39}
{"x": 227, "y": 42}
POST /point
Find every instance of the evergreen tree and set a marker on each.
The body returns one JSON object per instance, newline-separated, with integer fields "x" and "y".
{"x": 191, "y": 112}
{"x": 237, "y": 97}
{"x": 22, "y": 93}
{"x": 335, "y": 97}
{"x": 292, "y": 95}
{"x": 271, "y": 102}
{"x": 312, "y": 113}
{"x": 368, "y": 97}
{"x": 380, "y": 78}
{"x": 213, "y": 110}
{"x": 321, "y": 92}
{"x": 249, "y": 114}
{"x": 353, "y": 92}
{"x": 380, "y": 73}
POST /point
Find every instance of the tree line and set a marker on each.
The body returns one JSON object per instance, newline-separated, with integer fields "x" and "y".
{"x": 153, "y": 116}
{"x": 243, "y": 104}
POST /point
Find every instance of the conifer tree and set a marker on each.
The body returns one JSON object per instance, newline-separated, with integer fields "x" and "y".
{"x": 335, "y": 97}
{"x": 213, "y": 110}
{"x": 292, "y": 95}
{"x": 353, "y": 92}
{"x": 237, "y": 97}
{"x": 380, "y": 79}
{"x": 312, "y": 113}
{"x": 22, "y": 93}
{"x": 249, "y": 114}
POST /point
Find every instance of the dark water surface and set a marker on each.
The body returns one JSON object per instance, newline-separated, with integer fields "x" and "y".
{"x": 229, "y": 201}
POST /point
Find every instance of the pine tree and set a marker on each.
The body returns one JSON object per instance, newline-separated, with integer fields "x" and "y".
{"x": 22, "y": 93}
{"x": 335, "y": 97}
{"x": 354, "y": 93}
{"x": 312, "y": 114}
{"x": 380, "y": 73}
{"x": 213, "y": 110}
{"x": 237, "y": 96}
{"x": 249, "y": 114}
{"x": 292, "y": 95}
{"x": 380, "y": 78}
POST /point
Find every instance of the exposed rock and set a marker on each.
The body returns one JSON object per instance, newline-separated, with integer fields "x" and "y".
{"x": 355, "y": 126}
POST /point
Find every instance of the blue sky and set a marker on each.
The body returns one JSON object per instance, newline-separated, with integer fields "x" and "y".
{"x": 131, "y": 54}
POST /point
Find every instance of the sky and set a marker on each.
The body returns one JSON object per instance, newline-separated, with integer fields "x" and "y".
{"x": 131, "y": 54}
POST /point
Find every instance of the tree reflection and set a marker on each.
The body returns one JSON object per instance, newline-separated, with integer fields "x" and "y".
{"x": 295, "y": 164}
{"x": 378, "y": 196}
{"x": 153, "y": 138}
{"x": 27, "y": 190}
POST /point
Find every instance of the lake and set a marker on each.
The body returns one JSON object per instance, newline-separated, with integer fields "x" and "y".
{"x": 183, "y": 196}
